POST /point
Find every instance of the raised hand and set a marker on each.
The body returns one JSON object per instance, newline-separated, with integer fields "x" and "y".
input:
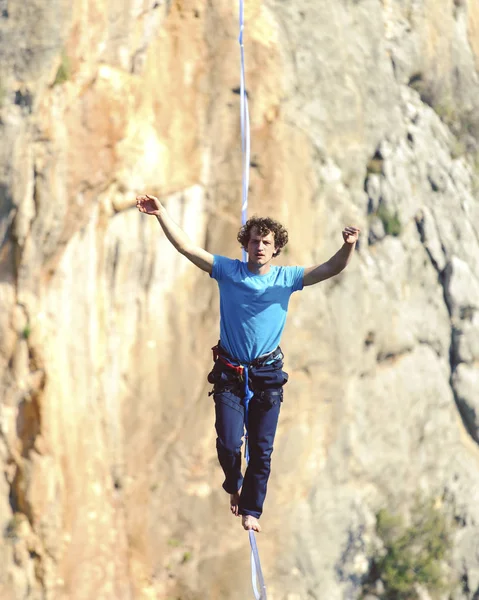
{"x": 351, "y": 235}
{"x": 149, "y": 205}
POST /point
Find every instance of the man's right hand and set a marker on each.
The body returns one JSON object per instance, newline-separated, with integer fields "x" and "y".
{"x": 149, "y": 205}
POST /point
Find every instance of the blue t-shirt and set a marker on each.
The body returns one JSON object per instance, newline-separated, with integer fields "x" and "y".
{"x": 253, "y": 307}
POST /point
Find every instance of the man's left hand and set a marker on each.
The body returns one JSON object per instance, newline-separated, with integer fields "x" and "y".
{"x": 350, "y": 235}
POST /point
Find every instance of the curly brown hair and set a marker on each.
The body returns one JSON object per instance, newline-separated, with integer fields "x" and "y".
{"x": 264, "y": 225}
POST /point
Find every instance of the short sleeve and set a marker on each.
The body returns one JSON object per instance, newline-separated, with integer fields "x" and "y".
{"x": 295, "y": 278}
{"x": 222, "y": 267}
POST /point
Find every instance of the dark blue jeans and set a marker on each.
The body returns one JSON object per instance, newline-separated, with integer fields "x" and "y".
{"x": 266, "y": 382}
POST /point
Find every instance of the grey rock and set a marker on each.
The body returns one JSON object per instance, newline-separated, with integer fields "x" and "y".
{"x": 376, "y": 230}
{"x": 373, "y": 190}
{"x": 465, "y": 380}
{"x": 379, "y": 356}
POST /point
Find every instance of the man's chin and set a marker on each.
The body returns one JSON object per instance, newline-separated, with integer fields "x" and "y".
{"x": 258, "y": 261}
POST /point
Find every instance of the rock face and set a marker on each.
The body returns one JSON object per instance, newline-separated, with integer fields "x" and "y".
{"x": 362, "y": 112}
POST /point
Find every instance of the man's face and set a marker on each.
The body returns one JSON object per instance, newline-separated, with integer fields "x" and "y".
{"x": 260, "y": 248}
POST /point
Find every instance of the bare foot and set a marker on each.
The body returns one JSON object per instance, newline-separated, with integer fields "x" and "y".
{"x": 234, "y": 503}
{"x": 250, "y": 522}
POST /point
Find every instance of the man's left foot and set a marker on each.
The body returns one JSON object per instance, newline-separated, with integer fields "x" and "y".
{"x": 250, "y": 522}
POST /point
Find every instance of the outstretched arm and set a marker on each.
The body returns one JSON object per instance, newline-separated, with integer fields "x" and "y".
{"x": 150, "y": 205}
{"x": 337, "y": 262}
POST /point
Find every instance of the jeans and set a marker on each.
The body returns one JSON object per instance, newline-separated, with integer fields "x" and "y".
{"x": 266, "y": 383}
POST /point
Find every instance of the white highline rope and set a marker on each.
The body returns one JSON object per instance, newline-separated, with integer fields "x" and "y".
{"x": 256, "y": 572}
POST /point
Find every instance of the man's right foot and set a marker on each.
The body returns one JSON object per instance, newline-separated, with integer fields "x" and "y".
{"x": 234, "y": 503}
{"x": 250, "y": 522}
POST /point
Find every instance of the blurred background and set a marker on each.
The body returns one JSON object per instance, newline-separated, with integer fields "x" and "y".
{"x": 363, "y": 112}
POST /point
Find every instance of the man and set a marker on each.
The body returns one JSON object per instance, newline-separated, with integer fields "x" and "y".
{"x": 247, "y": 375}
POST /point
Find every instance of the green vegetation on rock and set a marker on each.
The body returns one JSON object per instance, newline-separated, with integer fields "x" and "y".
{"x": 412, "y": 555}
{"x": 64, "y": 70}
{"x": 390, "y": 220}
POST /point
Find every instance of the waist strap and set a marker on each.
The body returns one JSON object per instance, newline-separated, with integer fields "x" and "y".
{"x": 220, "y": 353}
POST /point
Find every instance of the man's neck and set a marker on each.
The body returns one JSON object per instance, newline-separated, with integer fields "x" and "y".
{"x": 259, "y": 269}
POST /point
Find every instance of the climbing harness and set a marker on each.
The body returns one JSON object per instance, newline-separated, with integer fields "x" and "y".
{"x": 242, "y": 373}
{"x": 256, "y": 573}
